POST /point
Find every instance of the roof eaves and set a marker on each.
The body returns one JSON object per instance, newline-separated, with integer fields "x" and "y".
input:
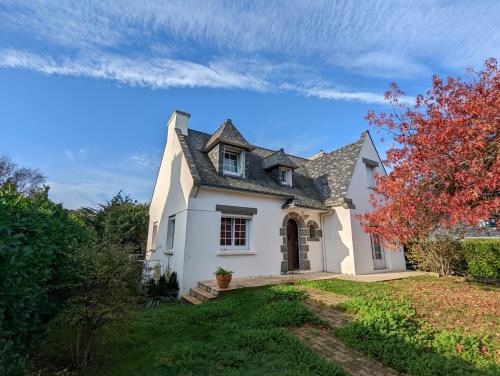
{"x": 189, "y": 158}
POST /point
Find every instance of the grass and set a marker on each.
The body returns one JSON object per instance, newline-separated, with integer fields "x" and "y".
{"x": 241, "y": 333}
{"x": 422, "y": 326}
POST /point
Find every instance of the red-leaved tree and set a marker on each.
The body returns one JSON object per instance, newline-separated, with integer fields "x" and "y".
{"x": 444, "y": 163}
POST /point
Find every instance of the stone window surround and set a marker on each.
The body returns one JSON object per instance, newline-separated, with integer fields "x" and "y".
{"x": 317, "y": 231}
{"x": 304, "y": 263}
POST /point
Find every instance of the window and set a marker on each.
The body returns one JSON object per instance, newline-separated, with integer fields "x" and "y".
{"x": 312, "y": 231}
{"x": 370, "y": 173}
{"x": 286, "y": 177}
{"x": 231, "y": 163}
{"x": 376, "y": 247}
{"x": 153, "y": 236}
{"x": 234, "y": 233}
{"x": 170, "y": 232}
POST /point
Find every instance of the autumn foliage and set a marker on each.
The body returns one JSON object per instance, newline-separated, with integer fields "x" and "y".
{"x": 444, "y": 163}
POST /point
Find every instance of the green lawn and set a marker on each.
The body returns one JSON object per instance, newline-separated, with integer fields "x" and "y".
{"x": 241, "y": 333}
{"x": 422, "y": 326}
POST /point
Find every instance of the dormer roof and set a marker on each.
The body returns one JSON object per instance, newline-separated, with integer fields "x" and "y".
{"x": 278, "y": 158}
{"x": 228, "y": 134}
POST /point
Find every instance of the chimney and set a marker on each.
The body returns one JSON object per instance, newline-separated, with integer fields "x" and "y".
{"x": 179, "y": 119}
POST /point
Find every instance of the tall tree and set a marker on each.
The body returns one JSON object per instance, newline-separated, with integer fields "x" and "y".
{"x": 445, "y": 164}
{"x": 24, "y": 180}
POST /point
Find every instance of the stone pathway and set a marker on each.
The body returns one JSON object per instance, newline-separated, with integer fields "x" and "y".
{"x": 327, "y": 345}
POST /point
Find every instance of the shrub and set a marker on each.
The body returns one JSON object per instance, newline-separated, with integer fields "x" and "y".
{"x": 162, "y": 288}
{"x": 441, "y": 256}
{"x": 482, "y": 258}
{"x": 108, "y": 285}
{"x": 37, "y": 242}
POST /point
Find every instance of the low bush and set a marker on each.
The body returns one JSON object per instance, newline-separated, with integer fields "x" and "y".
{"x": 107, "y": 287}
{"x": 162, "y": 288}
{"x": 482, "y": 258}
{"x": 440, "y": 256}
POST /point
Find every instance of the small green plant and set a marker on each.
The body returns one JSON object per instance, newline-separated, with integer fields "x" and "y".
{"x": 162, "y": 288}
{"x": 221, "y": 271}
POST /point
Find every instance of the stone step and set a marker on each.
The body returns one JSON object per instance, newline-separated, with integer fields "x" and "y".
{"x": 208, "y": 288}
{"x": 188, "y": 299}
{"x": 202, "y": 295}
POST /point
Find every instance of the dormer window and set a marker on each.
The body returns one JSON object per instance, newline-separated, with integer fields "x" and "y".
{"x": 286, "y": 177}
{"x": 232, "y": 163}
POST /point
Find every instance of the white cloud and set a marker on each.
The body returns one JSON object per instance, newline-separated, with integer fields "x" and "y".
{"x": 141, "y": 160}
{"x": 158, "y": 73}
{"x": 134, "y": 71}
{"x": 400, "y": 37}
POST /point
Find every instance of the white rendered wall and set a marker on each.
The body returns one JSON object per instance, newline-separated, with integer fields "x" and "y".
{"x": 339, "y": 242}
{"x": 203, "y": 253}
{"x": 173, "y": 186}
{"x": 359, "y": 192}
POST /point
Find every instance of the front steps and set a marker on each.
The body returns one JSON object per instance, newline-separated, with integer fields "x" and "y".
{"x": 201, "y": 294}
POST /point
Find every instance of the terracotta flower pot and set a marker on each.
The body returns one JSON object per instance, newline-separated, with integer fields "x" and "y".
{"x": 223, "y": 281}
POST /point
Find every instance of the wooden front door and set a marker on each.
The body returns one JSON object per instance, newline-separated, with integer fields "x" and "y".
{"x": 292, "y": 233}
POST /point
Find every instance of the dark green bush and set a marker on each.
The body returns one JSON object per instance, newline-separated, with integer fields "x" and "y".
{"x": 482, "y": 258}
{"x": 162, "y": 288}
{"x": 37, "y": 241}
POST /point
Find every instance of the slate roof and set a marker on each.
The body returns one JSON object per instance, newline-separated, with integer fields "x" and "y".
{"x": 228, "y": 134}
{"x": 318, "y": 183}
{"x": 332, "y": 172}
{"x": 278, "y": 158}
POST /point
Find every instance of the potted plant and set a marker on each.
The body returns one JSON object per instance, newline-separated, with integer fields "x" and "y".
{"x": 223, "y": 277}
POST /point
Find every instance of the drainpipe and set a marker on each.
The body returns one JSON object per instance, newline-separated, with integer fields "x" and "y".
{"x": 321, "y": 216}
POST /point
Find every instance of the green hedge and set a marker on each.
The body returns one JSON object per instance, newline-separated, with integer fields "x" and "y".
{"x": 482, "y": 258}
{"x": 37, "y": 238}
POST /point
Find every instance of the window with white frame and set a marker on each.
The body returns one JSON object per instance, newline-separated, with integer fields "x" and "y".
{"x": 231, "y": 164}
{"x": 234, "y": 233}
{"x": 286, "y": 177}
{"x": 170, "y": 232}
{"x": 376, "y": 247}
{"x": 153, "y": 236}
{"x": 370, "y": 174}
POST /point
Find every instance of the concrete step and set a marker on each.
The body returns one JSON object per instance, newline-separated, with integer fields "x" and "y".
{"x": 208, "y": 288}
{"x": 202, "y": 295}
{"x": 188, "y": 299}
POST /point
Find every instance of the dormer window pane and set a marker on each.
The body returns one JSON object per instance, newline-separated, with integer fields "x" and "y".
{"x": 231, "y": 163}
{"x": 283, "y": 176}
{"x": 286, "y": 177}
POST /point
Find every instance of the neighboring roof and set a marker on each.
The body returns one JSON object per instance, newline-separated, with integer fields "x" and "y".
{"x": 278, "y": 158}
{"x": 332, "y": 171}
{"x": 318, "y": 183}
{"x": 227, "y": 134}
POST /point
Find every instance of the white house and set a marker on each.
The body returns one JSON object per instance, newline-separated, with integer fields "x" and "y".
{"x": 221, "y": 201}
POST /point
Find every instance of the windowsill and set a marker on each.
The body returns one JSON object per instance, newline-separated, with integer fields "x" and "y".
{"x": 229, "y": 173}
{"x": 235, "y": 252}
{"x": 169, "y": 252}
{"x": 371, "y": 186}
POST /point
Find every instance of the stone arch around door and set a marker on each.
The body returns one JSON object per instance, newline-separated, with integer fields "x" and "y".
{"x": 303, "y": 232}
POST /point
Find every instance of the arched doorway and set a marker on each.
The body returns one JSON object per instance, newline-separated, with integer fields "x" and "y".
{"x": 292, "y": 234}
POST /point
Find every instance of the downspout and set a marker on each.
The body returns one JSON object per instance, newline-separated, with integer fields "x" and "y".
{"x": 323, "y": 247}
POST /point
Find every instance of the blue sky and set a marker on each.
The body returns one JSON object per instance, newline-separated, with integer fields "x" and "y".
{"x": 87, "y": 86}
